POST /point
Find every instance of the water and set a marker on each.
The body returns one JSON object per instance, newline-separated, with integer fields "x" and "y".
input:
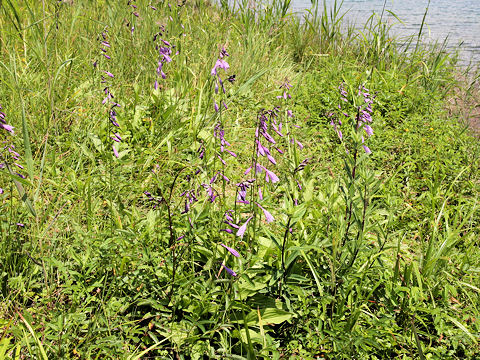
{"x": 459, "y": 20}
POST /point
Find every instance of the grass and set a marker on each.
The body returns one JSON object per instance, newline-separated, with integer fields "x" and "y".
{"x": 120, "y": 256}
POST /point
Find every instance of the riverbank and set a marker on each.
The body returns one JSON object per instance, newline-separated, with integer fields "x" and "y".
{"x": 452, "y": 22}
{"x": 201, "y": 183}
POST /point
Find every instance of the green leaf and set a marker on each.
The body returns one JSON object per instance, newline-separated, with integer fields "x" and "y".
{"x": 463, "y": 328}
{"x": 269, "y": 316}
{"x": 26, "y": 142}
{"x": 21, "y": 191}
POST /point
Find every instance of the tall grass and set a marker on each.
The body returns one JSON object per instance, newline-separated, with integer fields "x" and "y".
{"x": 248, "y": 211}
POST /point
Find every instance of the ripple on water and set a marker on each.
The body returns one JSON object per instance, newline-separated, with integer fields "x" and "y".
{"x": 459, "y": 20}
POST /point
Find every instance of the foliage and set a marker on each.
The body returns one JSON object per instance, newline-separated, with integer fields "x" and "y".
{"x": 203, "y": 182}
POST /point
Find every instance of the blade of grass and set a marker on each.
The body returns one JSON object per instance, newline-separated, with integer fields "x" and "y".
{"x": 463, "y": 328}
{"x": 32, "y": 332}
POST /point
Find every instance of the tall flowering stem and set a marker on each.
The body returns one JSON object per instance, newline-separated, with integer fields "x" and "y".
{"x": 8, "y": 153}
{"x": 220, "y": 64}
{"x": 134, "y": 12}
{"x": 359, "y": 124}
{"x": 10, "y": 160}
{"x": 294, "y": 145}
{"x": 109, "y": 99}
{"x": 113, "y": 137}
{"x": 219, "y": 132}
{"x": 164, "y": 49}
{"x": 354, "y": 117}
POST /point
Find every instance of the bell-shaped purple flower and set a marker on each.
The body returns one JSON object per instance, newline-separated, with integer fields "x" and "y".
{"x": 243, "y": 228}
{"x": 229, "y": 271}
{"x": 270, "y": 176}
{"x": 268, "y": 216}
{"x": 232, "y": 251}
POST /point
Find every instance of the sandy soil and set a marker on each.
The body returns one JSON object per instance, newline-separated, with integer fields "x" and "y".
{"x": 464, "y": 103}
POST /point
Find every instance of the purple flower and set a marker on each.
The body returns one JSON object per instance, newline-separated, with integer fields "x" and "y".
{"x": 219, "y": 64}
{"x": 270, "y": 176}
{"x": 108, "y": 73}
{"x": 225, "y": 178}
{"x": 271, "y": 159}
{"x": 301, "y": 166}
{"x": 231, "y": 153}
{"x": 231, "y": 224}
{"x": 221, "y": 159}
{"x": 299, "y": 185}
{"x": 164, "y": 49}
{"x": 15, "y": 155}
{"x": 212, "y": 180}
{"x": 223, "y": 53}
{"x": 232, "y": 251}
{"x": 211, "y": 192}
{"x": 3, "y": 123}
{"x": 367, "y": 149}
{"x": 228, "y": 270}
{"x": 7, "y": 127}
{"x": 242, "y": 191}
{"x": 243, "y": 228}
{"x": 115, "y": 152}
{"x": 113, "y": 118}
{"x": 222, "y": 64}
{"x": 201, "y": 151}
{"x": 118, "y": 137}
{"x": 368, "y": 130}
{"x": 229, "y": 215}
{"x": 268, "y": 216}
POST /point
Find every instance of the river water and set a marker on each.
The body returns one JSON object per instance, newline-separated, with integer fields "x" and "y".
{"x": 459, "y": 20}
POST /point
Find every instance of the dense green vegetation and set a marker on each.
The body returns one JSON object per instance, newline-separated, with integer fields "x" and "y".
{"x": 151, "y": 239}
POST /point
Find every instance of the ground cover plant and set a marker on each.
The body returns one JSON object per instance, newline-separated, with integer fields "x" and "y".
{"x": 192, "y": 180}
